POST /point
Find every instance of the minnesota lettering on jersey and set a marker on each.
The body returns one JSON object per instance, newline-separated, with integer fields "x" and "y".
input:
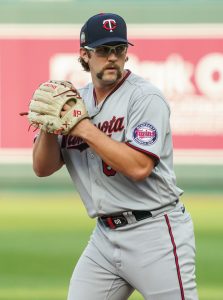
{"x": 108, "y": 127}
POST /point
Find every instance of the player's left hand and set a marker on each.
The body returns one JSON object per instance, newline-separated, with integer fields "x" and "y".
{"x": 56, "y": 107}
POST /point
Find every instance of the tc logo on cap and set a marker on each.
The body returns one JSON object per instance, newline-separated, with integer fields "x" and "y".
{"x": 109, "y": 24}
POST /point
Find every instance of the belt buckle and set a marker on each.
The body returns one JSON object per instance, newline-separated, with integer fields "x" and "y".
{"x": 116, "y": 221}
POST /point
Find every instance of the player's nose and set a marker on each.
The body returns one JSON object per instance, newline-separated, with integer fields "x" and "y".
{"x": 112, "y": 56}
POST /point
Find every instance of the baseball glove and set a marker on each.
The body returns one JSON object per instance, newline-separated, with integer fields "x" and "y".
{"x": 46, "y": 109}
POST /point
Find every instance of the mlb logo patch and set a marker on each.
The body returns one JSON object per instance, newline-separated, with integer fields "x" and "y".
{"x": 145, "y": 134}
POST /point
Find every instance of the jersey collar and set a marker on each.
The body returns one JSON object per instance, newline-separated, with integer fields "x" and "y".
{"x": 128, "y": 72}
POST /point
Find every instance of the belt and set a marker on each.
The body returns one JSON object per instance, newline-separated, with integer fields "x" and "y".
{"x": 121, "y": 220}
{"x": 130, "y": 217}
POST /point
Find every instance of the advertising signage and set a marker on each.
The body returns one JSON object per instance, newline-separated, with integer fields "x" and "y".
{"x": 185, "y": 63}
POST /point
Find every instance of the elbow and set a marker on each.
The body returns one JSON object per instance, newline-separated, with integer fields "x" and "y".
{"x": 140, "y": 174}
{"x": 44, "y": 170}
{"x": 41, "y": 172}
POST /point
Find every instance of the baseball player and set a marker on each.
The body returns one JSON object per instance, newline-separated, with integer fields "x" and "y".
{"x": 114, "y": 137}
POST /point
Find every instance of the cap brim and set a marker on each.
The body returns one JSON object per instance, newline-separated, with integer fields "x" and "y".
{"x": 109, "y": 40}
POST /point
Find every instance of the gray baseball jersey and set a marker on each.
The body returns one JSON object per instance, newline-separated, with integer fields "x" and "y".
{"x": 137, "y": 114}
{"x": 155, "y": 255}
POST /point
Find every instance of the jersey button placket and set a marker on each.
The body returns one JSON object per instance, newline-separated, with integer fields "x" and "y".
{"x": 95, "y": 182}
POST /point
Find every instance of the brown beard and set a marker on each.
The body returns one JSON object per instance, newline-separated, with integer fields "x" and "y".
{"x": 101, "y": 73}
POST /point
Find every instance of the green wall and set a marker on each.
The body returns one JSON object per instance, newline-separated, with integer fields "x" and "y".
{"x": 134, "y": 11}
{"x": 21, "y": 178}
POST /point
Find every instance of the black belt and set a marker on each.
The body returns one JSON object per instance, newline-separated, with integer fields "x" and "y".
{"x": 120, "y": 220}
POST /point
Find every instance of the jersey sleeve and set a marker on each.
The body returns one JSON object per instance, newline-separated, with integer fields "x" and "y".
{"x": 148, "y": 125}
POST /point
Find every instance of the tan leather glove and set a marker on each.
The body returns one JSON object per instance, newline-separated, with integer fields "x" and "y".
{"x": 46, "y": 109}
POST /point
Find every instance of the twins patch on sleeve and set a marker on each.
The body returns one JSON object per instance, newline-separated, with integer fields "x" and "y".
{"x": 145, "y": 134}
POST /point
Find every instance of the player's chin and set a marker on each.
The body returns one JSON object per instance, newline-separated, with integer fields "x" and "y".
{"x": 110, "y": 80}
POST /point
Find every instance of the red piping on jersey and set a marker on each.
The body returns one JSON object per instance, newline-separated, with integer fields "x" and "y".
{"x": 95, "y": 98}
{"x": 146, "y": 152}
{"x": 115, "y": 89}
{"x": 175, "y": 256}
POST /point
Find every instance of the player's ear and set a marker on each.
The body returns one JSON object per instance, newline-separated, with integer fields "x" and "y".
{"x": 84, "y": 54}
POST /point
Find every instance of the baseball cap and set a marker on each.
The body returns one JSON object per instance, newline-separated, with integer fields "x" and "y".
{"x": 104, "y": 28}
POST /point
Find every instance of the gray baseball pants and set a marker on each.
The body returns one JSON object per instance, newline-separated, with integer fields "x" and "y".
{"x": 156, "y": 256}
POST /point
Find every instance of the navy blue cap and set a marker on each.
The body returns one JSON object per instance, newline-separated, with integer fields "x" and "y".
{"x": 104, "y": 28}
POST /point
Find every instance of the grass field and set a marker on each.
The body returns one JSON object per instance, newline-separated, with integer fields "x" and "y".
{"x": 42, "y": 236}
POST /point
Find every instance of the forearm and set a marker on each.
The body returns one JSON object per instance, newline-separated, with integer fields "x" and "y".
{"x": 117, "y": 155}
{"x": 46, "y": 155}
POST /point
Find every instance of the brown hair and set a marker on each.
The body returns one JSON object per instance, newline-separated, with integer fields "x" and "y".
{"x": 83, "y": 63}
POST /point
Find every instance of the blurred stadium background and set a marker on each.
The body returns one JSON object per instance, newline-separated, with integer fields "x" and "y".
{"x": 179, "y": 47}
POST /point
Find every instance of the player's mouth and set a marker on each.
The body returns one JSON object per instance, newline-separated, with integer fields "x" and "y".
{"x": 111, "y": 68}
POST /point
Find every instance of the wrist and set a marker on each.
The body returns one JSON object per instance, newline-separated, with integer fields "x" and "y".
{"x": 82, "y": 129}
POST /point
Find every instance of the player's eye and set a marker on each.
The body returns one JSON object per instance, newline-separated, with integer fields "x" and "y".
{"x": 105, "y": 51}
{"x": 102, "y": 51}
{"x": 120, "y": 49}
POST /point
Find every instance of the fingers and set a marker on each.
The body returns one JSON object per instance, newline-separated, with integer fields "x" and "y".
{"x": 71, "y": 103}
{"x": 64, "y": 110}
{"x": 66, "y": 107}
